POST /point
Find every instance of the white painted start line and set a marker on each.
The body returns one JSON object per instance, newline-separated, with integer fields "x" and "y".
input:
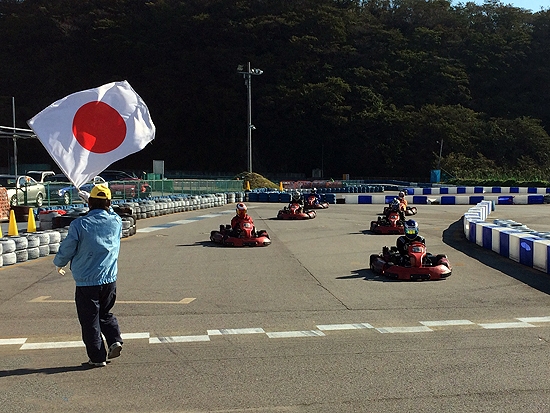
{"x": 424, "y": 328}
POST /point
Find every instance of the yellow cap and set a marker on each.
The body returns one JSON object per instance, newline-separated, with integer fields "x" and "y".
{"x": 101, "y": 192}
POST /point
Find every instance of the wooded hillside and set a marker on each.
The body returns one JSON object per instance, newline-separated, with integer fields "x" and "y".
{"x": 368, "y": 88}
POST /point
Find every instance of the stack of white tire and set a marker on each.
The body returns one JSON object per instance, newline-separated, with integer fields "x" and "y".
{"x": 128, "y": 226}
{"x": 54, "y": 241}
{"x": 7, "y": 245}
{"x": 33, "y": 243}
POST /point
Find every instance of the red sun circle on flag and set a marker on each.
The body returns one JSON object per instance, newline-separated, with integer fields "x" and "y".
{"x": 98, "y": 127}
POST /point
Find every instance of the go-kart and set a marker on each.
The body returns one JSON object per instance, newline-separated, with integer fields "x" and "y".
{"x": 416, "y": 265}
{"x": 408, "y": 210}
{"x": 389, "y": 224}
{"x": 243, "y": 236}
{"x": 312, "y": 202}
{"x": 294, "y": 212}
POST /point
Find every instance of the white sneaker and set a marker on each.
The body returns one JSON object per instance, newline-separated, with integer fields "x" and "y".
{"x": 100, "y": 364}
{"x": 114, "y": 350}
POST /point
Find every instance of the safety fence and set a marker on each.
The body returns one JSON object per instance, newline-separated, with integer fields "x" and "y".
{"x": 332, "y": 186}
{"x": 507, "y": 238}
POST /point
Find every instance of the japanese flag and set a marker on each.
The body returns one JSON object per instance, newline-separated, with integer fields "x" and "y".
{"x": 87, "y": 131}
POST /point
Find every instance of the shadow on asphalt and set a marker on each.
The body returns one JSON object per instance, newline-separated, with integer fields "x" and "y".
{"x": 199, "y": 244}
{"x": 455, "y": 238}
{"x": 367, "y": 275}
{"x": 47, "y": 370}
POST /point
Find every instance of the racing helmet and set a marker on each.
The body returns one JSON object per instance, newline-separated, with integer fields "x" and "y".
{"x": 411, "y": 229}
{"x": 241, "y": 209}
{"x": 313, "y": 190}
{"x": 395, "y": 204}
{"x": 401, "y": 194}
{"x": 296, "y": 197}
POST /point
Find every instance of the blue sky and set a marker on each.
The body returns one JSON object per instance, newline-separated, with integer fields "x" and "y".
{"x": 533, "y": 5}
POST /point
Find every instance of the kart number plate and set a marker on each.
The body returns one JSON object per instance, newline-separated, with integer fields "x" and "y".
{"x": 417, "y": 249}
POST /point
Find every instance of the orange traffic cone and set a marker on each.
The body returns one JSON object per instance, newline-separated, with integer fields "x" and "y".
{"x": 31, "y": 225}
{"x": 281, "y": 186}
{"x": 12, "y": 229}
{"x": 248, "y": 185}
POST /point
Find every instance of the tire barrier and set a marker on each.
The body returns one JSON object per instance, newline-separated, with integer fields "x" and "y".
{"x": 508, "y": 238}
{"x": 282, "y": 197}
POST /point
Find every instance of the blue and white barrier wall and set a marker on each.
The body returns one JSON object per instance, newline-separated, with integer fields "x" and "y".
{"x": 505, "y": 199}
{"x": 476, "y": 190}
{"x": 518, "y": 245}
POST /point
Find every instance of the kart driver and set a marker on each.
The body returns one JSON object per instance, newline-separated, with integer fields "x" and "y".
{"x": 315, "y": 194}
{"x": 241, "y": 216}
{"x": 396, "y": 206}
{"x": 411, "y": 235}
{"x": 296, "y": 199}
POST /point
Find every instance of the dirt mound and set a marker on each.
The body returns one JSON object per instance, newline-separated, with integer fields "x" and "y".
{"x": 256, "y": 181}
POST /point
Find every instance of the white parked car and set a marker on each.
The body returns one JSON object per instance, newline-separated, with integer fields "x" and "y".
{"x": 20, "y": 186}
{"x": 39, "y": 176}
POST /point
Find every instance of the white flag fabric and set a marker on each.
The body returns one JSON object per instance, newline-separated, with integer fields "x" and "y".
{"x": 87, "y": 131}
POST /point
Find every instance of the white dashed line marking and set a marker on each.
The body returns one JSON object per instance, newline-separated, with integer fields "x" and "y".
{"x": 11, "y": 341}
{"x": 178, "y": 339}
{"x": 288, "y": 334}
{"x": 329, "y": 327}
{"x": 133, "y": 336}
{"x": 416, "y": 329}
{"x": 424, "y": 328}
{"x": 534, "y": 319}
{"x": 53, "y": 344}
{"x": 224, "y": 331}
{"x": 447, "y": 323}
{"x": 519, "y": 324}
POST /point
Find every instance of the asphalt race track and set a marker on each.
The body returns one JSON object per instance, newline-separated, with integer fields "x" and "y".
{"x": 300, "y": 326}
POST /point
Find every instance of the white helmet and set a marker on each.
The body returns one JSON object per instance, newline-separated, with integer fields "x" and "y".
{"x": 241, "y": 209}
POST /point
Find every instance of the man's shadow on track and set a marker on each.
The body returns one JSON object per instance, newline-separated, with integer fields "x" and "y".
{"x": 46, "y": 370}
{"x": 455, "y": 238}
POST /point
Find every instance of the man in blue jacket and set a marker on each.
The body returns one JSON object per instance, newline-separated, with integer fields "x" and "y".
{"x": 92, "y": 246}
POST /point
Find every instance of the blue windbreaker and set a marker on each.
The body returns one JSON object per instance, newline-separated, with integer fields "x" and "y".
{"x": 92, "y": 246}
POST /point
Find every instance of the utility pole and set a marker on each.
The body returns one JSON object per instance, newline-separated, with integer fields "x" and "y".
{"x": 248, "y": 82}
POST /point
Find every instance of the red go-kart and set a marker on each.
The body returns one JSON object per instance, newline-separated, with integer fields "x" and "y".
{"x": 417, "y": 265}
{"x": 243, "y": 236}
{"x": 408, "y": 210}
{"x": 294, "y": 212}
{"x": 389, "y": 224}
{"x": 312, "y": 202}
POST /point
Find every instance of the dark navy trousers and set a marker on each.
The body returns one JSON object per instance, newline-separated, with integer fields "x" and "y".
{"x": 93, "y": 305}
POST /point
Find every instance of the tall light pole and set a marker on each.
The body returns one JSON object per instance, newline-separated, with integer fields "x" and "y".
{"x": 248, "y": 82}
{"x": 440, "y": 151}
{"x": 14, "y": 137}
